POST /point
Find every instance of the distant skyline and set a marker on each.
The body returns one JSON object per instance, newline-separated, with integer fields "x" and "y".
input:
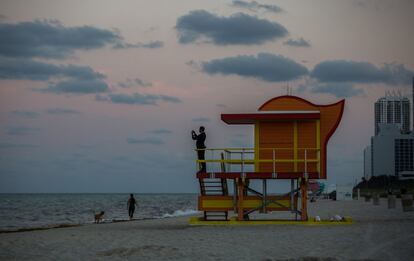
{"x": 101, "y": 96}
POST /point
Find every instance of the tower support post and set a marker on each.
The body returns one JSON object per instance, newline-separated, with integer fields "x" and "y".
{"x": 304, "y": 198}
{"x": 240, "y": 194}
{"x": 264, "y": 199}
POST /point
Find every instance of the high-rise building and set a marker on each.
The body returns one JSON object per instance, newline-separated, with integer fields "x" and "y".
{"x": 391, "y": 152}
{"x": 393, "y": 108}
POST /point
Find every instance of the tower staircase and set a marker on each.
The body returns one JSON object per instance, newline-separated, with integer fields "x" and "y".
{"x": 214, "y": 187}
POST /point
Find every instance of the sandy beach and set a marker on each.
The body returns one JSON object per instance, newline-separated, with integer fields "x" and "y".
{"x": 377, "y": 233}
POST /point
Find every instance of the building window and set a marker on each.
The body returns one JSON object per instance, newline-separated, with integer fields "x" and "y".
{"x": 403, "y": 155}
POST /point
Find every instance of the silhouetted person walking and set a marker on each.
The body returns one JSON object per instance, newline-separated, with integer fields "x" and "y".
{"x": 131, "y": 206}
{"x": 200, "y": 138}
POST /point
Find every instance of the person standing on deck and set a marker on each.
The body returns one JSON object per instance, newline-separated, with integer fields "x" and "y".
{"x": 131, "y": 206}
{"x": 200, "y": 138}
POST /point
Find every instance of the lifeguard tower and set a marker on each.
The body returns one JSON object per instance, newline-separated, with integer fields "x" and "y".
{"x": 290, "y": 142}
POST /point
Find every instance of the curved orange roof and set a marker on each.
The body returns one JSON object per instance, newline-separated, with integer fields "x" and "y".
{"x": 295, "y": 109}
{"x": 331, "y": 114}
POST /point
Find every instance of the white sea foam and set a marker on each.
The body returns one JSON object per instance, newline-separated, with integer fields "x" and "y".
{"x": 179, "y": 213}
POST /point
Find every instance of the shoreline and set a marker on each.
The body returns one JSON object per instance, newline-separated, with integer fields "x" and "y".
{"x": 20, "y": 230}
{"x": 57, "y": 226}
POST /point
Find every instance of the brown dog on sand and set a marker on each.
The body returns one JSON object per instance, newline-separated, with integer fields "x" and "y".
{"x": 99, "y": 216}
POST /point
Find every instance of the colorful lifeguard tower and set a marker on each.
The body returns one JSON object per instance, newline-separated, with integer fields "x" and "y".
{"x": 290, "y": 142}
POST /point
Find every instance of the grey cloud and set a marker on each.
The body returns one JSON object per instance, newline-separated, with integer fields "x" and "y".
{"x": 25, "y": 114}
{"x": 193, "y": 64}
{"x": 78, "y": 86}
{"x": 137, "y": 98}
{"x": 149, "y": 45}
{"x": 78, "y": 79}
{"x": 103, "y": 98}
{"x": 201, "y": 119}
{"x": 236, "y": 29}
{"x": 361, "y": 72}
{"x": 340, "y": 90}
{"x": 27, "y": 69}
{"x": 82, "y": 72}
{"x": 297, "y": 43}
{"x": 161, "y": 131}
{"x": 221, "y": 105}
{"x": 134, "y": 82}
{"x": 168, "y": 98}
{"x": 264, "y": 66}
{"x": 255, "y": 6}
{"x": 19, "y": 69}
{"x": 50, "y": 39}
{"x": 60, "y": 111}
{"x": 20, "y": 42}
{"x": 34, "y": 70}
{"x": 7, "y": 145}
{"x": 21, "y": 130}
{"x": 150, "y": 140}
{"x": 142, "y": 83}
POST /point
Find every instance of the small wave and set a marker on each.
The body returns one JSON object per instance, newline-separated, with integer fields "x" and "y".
{"x": 179, "y": 213}
{"x": 46, "y": 227}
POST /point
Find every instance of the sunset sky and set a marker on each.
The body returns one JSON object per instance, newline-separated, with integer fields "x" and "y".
{"x": 101, "y": 96}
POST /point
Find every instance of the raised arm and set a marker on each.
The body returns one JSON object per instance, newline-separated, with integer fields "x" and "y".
{"x": 194, "y": 135}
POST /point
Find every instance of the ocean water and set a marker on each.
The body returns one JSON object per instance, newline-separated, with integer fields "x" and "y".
{"x": 23, "y": 211}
